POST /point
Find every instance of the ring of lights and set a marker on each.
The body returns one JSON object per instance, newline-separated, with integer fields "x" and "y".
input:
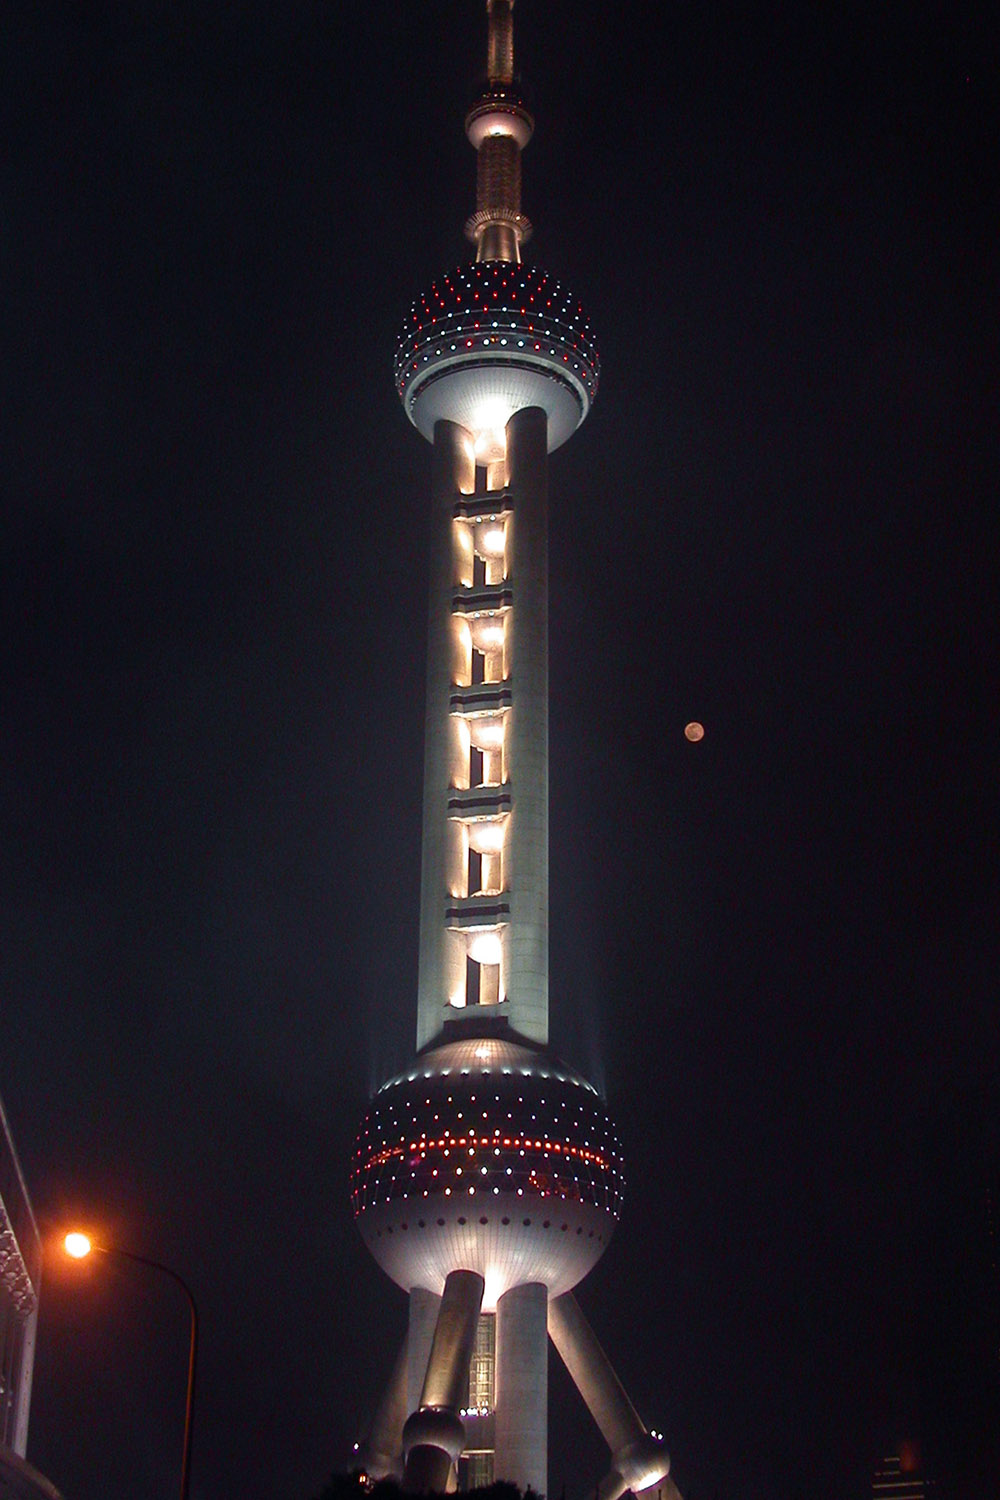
{"x": 477, "y": 222}
{"x": 490, "y": 339}
{"x": 523, "y": 1184}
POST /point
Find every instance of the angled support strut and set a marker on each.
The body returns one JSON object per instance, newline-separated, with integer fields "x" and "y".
{"x": 639, "y": 1461}
{"x": 434, "y": 1435}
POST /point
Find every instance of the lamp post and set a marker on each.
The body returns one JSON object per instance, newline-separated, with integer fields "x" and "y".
{"x": 79, "y": 1246}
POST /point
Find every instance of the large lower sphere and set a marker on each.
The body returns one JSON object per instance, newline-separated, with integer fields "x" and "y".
{"x": 489, "y": 1156}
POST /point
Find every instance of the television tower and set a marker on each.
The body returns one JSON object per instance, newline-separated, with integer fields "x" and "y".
{"x": 487, "y": 1177}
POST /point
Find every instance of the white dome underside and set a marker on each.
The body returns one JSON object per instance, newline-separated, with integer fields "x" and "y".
{"x": 462, "y": 391}
{"x": 505, "y": 1255}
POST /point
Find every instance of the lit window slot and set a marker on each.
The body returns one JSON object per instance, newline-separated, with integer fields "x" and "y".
{"x": 489, "y": 984}
{"x": 462, "y": 553}
{"x": 486, "y": 732}
{"x": 488, "y": 640}
{"x": 492, "y": 768}
{"x": 461, "y": 653}
{"x": 484, "y": 966}
{"x": 490, "y": 440}
{"x": 485, "y": 947}
{"x": 490, "y": 539}
{"x": 491, "y": 874}
{"x": 487, "y": 835}
{"x": 482, "y": 984}
{"x": 459, "y": 743}
{"x": 482, "y": 1368}
{"x": 488, "y": 634}
{"x": 484, "y": 856}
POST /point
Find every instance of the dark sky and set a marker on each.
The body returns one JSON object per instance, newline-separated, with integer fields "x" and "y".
{"x": 776, "y": 949}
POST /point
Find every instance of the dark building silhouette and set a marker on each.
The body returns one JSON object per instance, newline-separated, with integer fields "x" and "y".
{"x": 898, "y": 1478}
{"x": 958, "y": 1294}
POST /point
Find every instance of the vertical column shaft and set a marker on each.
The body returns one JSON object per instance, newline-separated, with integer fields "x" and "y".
{"x": 522, "y": 1374}
{"x": 498, "y": 174}
{"x": 500, "y": 57}
{"x": 447, "y": 1380}
{"x": 442, "y": 957}
{"x": 434, "y": 1436}
{"x": 381, "y": 1452}
{"x": 424, "y": 1307}
{"x": 527, "y": 855}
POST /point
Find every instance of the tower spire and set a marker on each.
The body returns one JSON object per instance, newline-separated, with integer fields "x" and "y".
{"x": 499, "y": 126}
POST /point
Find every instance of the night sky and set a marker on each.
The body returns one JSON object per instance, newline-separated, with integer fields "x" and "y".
{"x": 776, "y": 950}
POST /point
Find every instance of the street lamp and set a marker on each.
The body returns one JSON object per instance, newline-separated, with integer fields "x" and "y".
{"x": 79, "y": 1246}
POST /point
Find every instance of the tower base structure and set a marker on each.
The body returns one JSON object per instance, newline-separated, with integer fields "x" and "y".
{"x": 425, "y": 1449}
{"x": 488, "y": 1221}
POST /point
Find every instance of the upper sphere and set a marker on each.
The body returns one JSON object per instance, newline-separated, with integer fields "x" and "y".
{"x": 500, "y": 111}
{"x": 491, "y": 338}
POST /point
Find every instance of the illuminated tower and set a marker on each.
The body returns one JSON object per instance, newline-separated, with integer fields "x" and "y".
{"x": 487, "y": 1178}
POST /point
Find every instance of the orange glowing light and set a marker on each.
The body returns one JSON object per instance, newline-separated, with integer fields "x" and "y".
{"x": 909, "y": 1458}
{"x": 694, "y": 731}
{"x": 78, "y": 1245}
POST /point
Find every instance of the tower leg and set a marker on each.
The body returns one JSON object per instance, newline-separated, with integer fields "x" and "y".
{"x": 522, "y": 1388}
{"x": 381, "y": 1453}
{"x": 434, "y": 1436}
{"x": 424, "y": 1309}
{"x": 527, "y": 850}
{"x": 638, "y": 1459}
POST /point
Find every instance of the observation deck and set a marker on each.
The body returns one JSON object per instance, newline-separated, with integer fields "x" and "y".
{"x": 491, "y": 338}
{"x": 490, "y": 1155}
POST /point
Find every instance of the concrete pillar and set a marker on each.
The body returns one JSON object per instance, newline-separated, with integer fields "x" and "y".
{"x": 434, "y": 1436}
{"x": 381, "y": 1453}
{"x": 661, "y": 1489}
{"x": 447, "y": 1380}
{"x": 592, "y": 1373}
{"x": 442, "y": 956}
{"x": 526, "y": 974}
{"x": 522, "y": 1376}
{"x": 638, "y": 1460}
{"x": 424, "y": 1306}
{"x": 642, "y": 1469}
